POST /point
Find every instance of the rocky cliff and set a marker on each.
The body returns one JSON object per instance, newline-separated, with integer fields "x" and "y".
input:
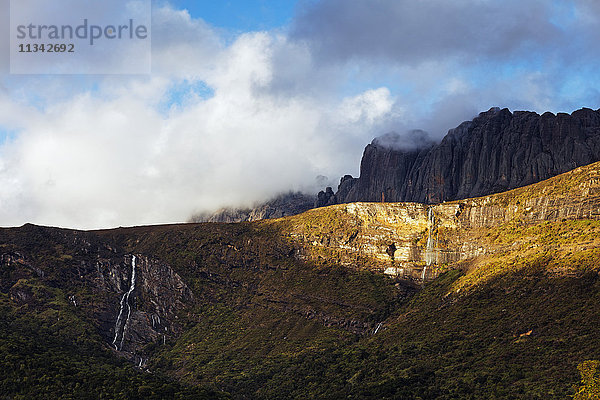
{"x": 132, "y": 299}
{"x": 417, "y": 241}
{"x": 495, "y": 152}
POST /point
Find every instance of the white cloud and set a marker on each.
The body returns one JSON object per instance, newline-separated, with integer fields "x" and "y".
{"x": 111, "y": 157}
{"x": 104, "y": 151}
{"x": 369, "y": 106}
{"x": 183, "y": 47}
{"x": 528, "y": 54}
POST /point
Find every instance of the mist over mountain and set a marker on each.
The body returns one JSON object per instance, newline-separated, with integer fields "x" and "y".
{"x": 284, "y": 205}
{"x": 497, "y": 151}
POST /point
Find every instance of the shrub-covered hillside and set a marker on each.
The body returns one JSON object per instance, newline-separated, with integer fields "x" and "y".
{"x": 284, "y": 309}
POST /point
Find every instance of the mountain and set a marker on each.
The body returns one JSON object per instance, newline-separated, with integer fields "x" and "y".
{"x": 283, "y": 205}
{"x": 489, "y": 297}
{"x": 495, "y": 152}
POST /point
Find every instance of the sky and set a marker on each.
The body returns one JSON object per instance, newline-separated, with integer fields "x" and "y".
{"x": 239, "y": 16}
{"x": 247, "y": 99}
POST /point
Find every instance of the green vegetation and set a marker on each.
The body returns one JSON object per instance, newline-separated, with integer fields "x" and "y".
{"x": 48, "y": 351}
{"x": 269, "y": 321}
{"x": 561, "y": 247}
{"x": 518, "y": 337}
{"x": 517, "y": 328}
{"x": 268, "y": 325}
{"x": 590, "y": 381}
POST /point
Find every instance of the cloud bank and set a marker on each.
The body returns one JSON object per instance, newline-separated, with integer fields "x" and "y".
{"x": 125, "y": 153}
{"x": 409, "y": 32}
{"x": 230, "y": 120}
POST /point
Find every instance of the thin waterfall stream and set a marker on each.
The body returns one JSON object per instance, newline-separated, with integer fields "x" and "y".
{"x": 121, "y": 327}
{"x": 430, "y": 256}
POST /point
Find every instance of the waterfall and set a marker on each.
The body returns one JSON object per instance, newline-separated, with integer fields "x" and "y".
{"x": 124, "y": 301}
{"x": 377, "y": 329}
{"x": 118, "y": 323}
{"x": 155, "y": 320}
{"x": 423, "y": 274}
{"x": 131, "y": 289}
{"x": 430, "y": 257}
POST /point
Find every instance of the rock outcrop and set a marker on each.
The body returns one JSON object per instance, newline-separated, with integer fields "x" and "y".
{"x": 413, "y": 241}
{"x": 284, "y": 205}
{"x": 495, "y": 152}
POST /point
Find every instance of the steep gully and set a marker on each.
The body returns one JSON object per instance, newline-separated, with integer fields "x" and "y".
{"x": 148, "y": 307}
{"x": 133, "y": 300}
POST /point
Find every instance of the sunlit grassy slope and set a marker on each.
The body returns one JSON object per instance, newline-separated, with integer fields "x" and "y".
{"x": 277, "y": 316}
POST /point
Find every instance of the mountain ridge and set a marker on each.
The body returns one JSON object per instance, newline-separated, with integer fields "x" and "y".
{"x": 285, "y": 204}
{"x": 479, "y": 298}
{"x": 496, "y": 151}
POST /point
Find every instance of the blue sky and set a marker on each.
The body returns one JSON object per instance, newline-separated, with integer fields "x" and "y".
{"x": 241, "y": 15}
{"x": 251, "y": 98}
{"x": 5, "y": 135}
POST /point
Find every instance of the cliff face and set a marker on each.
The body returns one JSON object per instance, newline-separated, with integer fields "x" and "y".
{"x": 495, "y": 152}
{"x": 416, "y": 241}
{"x": 132, "y": 299}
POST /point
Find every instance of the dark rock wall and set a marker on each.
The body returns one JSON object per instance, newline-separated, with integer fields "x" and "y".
{"x": 97, "y": 276}
{"x": 495, "y": 152}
